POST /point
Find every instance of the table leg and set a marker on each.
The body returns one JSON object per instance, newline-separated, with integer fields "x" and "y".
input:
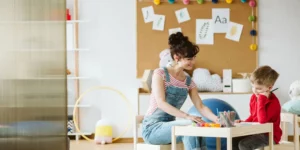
{"x": 229, "y": 143}
{"x": 173, "y": 139}
{"x": 218, "y": 143}
{"x": 271, "y": 143}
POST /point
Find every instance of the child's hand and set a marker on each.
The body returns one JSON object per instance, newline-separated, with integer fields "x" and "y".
{"x": 237, "y": 121}
{"x": 266, "y": 93}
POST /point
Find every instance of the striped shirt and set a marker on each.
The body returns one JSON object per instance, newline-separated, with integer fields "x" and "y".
{"x": 173, "y": 82}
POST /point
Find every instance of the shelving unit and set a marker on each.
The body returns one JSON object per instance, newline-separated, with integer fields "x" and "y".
{"x": 73, "y": 47}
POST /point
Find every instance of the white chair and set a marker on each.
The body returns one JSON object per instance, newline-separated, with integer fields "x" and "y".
{"x": 284, "y": 144}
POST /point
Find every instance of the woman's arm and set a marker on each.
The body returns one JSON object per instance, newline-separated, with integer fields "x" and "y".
{"x": 158, "y": 90}
{"x": 203, "y": 110}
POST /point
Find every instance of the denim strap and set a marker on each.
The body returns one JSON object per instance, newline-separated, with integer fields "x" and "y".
{"x": 167, "y": 74}
{"x": 188, "y": 81}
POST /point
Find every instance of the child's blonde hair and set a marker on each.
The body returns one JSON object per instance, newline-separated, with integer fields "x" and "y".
{"x": 264, "y": 75}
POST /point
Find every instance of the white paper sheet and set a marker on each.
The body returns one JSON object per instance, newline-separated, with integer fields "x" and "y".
{"x": 148, "y": 14}
{"x": 174, "y": 30}
{"x": 221, "y": 19}
{"x": 159, "y": 22}
{"x": 182, "y": 15}
{"x": 234, "y": 31}
{"x": 204, "y": 31}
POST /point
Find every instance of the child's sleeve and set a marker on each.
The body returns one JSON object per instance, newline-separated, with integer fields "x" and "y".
{"x": 261, "y": 109}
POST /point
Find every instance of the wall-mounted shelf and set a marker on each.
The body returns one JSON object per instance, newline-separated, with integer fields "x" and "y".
{"x": 81, "y": 106}
{"x": 43, "y": 21}
{"x": 77, "y": 135}
{"x": 80, "y": 49}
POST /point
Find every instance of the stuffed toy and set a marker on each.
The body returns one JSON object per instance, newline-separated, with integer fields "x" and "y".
{"x": 166, "y": 59}
{"x": 293, "y": 105}
{"x": 294, "y": 91}
{"x": 206, "y": 82}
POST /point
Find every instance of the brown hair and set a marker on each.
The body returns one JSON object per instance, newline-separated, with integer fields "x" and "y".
{"x": 264, "y": 75}
{"x": 182, "y": 46}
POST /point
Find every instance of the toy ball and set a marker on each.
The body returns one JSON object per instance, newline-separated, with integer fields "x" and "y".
{"x": 186, "y": 2}
{"x": 253, "y": 32}
{"x": 171, "y": 1}
{"x": 243, "y": 1}
{"x": 252, "y": 3}
{"x": 215, "y": 1}
{"x": 156, "y": 2}
{"x": 200, "y": 1}
{"x": 229, "y": 1}
{"x": 251, "y": 18}
{"x": 253, "y": 47}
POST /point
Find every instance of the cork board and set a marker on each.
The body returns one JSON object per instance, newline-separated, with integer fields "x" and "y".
{"x": 223, "y": 54}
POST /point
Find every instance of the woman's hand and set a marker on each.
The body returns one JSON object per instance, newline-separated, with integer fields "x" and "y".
{"x": 195, "y": 119}
{"x": 238, "y": 121}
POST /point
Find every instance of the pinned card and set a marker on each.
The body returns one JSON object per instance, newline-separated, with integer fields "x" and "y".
{"x": 182, "y": 15}
{"x": 174, "y": 30}
{"x": 159, "y": 22}
{"x": 148, "y": 14}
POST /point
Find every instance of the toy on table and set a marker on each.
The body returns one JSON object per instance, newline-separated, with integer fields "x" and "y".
{"x": 205, "y": 124}
{"x": 227, "y": 118}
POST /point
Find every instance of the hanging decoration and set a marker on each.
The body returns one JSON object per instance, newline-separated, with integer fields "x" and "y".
{"x": 186, "y": 2}
{"x": 200, "y": 1}
{"x": 253, "y": 32}
{"x": 252, "y": 3}
{"x": 229, "y": 1}
{"x": 156, "y": 2}
{"x": 171, "y": 1}
{"x": 253, "y": 47}
{"x": 215, "y": 1}
{"x": 251, "y": 18}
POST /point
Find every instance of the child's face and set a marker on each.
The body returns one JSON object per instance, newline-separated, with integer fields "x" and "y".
{"x": 260, "y": 89}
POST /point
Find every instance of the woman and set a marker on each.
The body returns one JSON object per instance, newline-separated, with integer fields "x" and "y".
{"x": 170, "y": 88}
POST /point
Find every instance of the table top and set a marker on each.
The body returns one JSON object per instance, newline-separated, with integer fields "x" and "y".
{"x": 239, "y": 130}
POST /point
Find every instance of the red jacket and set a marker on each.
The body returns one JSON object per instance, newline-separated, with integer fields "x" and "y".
{"x": 263, "y": 110}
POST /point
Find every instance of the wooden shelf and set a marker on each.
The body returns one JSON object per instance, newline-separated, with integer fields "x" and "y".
{"x": 206, "y": 93}
{"x": 84, "y": 133}
{"x": 43, "y": 21}
{"x": 81, "y": 106}
{"x": 72, "y": 50}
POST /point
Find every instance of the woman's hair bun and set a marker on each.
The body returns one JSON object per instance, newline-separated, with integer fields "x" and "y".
{"x": 177, "y": 39}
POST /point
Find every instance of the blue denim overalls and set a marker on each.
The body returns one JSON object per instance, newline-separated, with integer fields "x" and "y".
{"x": 157, "y": 127}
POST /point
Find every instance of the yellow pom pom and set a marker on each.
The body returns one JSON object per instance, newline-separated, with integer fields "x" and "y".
{"x": 229, "y": 1}
{"x": 253, "y": 47}
{"x": 156, "y": 2}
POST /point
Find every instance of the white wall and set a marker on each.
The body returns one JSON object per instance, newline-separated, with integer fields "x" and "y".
{"x": 279, "y": 41}
{"x": 111, "y": 31}
{"x": 110, "y": 37}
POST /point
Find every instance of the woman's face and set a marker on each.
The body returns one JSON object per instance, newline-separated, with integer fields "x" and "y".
{"x": 187, "y": 63}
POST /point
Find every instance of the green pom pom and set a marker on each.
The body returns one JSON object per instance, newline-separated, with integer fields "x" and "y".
{"x": 200, "y": 1}
{"x": 252, "y": 18}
